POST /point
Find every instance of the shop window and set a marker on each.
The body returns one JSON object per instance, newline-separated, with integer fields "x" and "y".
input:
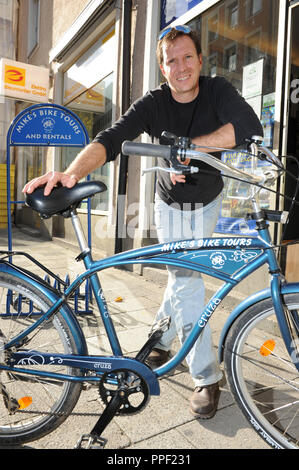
{"x": 245, "y": 53}
{"x": 88, "y": 87}
{"x": 94, "y": 108}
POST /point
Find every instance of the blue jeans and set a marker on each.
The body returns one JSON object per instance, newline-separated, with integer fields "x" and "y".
{"x": 184, "y": 297}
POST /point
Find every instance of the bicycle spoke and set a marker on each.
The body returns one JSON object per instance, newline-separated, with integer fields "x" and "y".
{"x": 43, "y": 402}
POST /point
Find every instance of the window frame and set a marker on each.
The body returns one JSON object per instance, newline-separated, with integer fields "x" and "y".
{"x": 33, "y": 26}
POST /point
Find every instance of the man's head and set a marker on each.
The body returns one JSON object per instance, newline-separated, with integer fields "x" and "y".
{"x": 180, "y": 60}
{"x": 170, "y": 34}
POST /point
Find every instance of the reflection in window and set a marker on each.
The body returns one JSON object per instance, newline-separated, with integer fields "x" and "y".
{"x": 212, "y": 61}
{"x": 254, "y": 6}
{"x": 230, "y": 59}
{"x": 233, "y": 14}
{"x": 33, "y": 156}
{"x": 94, "y": 108}
{"x": 235, "y": 35}
{"x": 213, "y": 28}
{"x": 253, "y": 48}
{"x": 230, "y": 42}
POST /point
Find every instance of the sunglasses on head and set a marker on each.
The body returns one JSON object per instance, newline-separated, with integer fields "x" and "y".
{"x": 183, "y": 28}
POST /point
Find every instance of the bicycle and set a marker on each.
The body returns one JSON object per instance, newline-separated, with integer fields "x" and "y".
{"x": 44, "y": 360}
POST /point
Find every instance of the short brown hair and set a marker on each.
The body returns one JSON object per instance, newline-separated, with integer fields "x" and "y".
{"x": 171, "y": 36}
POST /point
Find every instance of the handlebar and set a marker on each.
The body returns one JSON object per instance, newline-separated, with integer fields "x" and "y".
{"x": 148, "y": 150}
{"x": 223, "y": 167}
{"x": 172, "y": 153}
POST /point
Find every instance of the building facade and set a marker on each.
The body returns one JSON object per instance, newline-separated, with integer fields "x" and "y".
{"x": 101, "y": 57}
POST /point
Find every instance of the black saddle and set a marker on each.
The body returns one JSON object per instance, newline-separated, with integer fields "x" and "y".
{"x": 62, "y": 200}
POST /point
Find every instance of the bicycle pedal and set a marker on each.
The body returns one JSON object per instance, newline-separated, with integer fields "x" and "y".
{"x": 161, "y": 326}
{"x": 88, "y": 441}
{"x": 155, "y": 335}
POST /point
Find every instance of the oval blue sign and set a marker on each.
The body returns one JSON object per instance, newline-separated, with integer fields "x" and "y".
{"x": 48, "y": 125}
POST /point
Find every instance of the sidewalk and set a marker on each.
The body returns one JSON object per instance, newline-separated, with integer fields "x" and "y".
{"x": 166, "y": 422}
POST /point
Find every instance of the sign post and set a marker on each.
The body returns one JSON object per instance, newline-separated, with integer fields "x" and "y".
{"x": 44, "y": 125}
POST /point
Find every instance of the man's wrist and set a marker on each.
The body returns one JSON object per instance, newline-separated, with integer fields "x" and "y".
{"x": 72, "y": 175}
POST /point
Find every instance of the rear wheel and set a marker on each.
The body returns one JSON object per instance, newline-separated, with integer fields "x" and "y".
{"x": 261, "y": 374}
{"x": 43, "y": 404}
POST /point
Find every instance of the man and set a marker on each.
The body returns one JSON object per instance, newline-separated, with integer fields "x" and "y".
{"x": 211, "y": 113}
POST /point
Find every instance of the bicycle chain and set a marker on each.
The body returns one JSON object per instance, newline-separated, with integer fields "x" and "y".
{"x": 58, "y": 414}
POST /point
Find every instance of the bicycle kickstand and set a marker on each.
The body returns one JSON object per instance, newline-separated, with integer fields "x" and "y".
{"x": 93, "y": 440}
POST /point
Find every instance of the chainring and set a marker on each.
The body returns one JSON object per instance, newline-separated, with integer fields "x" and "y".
{"x": 131, "y": 388}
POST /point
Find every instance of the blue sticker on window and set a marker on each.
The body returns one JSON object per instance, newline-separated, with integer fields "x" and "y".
{"x": 173, "y": 9}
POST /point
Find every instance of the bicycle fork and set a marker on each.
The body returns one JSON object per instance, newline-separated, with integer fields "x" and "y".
{"x": 287, "y": 320}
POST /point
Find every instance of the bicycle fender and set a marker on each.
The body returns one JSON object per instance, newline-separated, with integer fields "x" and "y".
{"x": 288, "y": 288}
{"x": 53, "y": 295}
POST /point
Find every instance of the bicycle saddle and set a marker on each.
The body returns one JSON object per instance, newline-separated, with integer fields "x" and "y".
{"x": 62, "y": 200}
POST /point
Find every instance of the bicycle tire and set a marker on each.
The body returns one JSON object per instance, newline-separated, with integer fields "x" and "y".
{"x": 52, "y": 400}
{"x": 261, "y": 375}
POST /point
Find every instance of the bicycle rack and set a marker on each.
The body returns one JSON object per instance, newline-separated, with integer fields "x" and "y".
{"x": 31, "y": 122}
{"x": 80, "y": 296}
{"x": 14, "y": 306}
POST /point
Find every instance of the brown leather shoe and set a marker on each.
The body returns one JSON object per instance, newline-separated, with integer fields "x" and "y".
{"x": 157, "y": 357}
{"x": 204, "y": 401}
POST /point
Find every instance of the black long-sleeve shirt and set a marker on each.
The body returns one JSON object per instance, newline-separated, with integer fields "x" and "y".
{"x": 218, "y": 103}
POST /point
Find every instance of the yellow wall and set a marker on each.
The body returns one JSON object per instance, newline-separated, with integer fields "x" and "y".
{"x": 3, "y": 192}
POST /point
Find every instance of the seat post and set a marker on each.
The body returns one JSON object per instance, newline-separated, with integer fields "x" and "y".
{"x": 79, "y": 231}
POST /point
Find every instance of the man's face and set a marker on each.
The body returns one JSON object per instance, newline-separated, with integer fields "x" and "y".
{"x": 181, "y": 67}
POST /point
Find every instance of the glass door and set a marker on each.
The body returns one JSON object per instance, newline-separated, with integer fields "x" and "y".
{"x": 291, "y": 137}
{"x": 291, "y": 140}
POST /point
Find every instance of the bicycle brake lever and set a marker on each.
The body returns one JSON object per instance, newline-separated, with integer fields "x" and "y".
{"x": 186, "y": 170}
{"x": 179, "y": 170}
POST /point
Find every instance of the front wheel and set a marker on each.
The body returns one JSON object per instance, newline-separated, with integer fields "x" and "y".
{"x": 261, "y": 375}
{"x": 41, "y": 403}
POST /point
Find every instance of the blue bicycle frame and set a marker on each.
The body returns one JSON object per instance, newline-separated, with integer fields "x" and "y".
{"x": 229, "y": 259}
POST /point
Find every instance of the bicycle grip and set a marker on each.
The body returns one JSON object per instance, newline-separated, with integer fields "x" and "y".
{"x": 144, "y": 149}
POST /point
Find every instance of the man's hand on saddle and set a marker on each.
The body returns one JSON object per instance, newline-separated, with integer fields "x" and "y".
{"x": 50, "y": 180}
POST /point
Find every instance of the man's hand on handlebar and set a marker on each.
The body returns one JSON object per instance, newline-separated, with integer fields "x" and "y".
{"x": 50, "y": 179}
{"x": 175, "y": 178}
